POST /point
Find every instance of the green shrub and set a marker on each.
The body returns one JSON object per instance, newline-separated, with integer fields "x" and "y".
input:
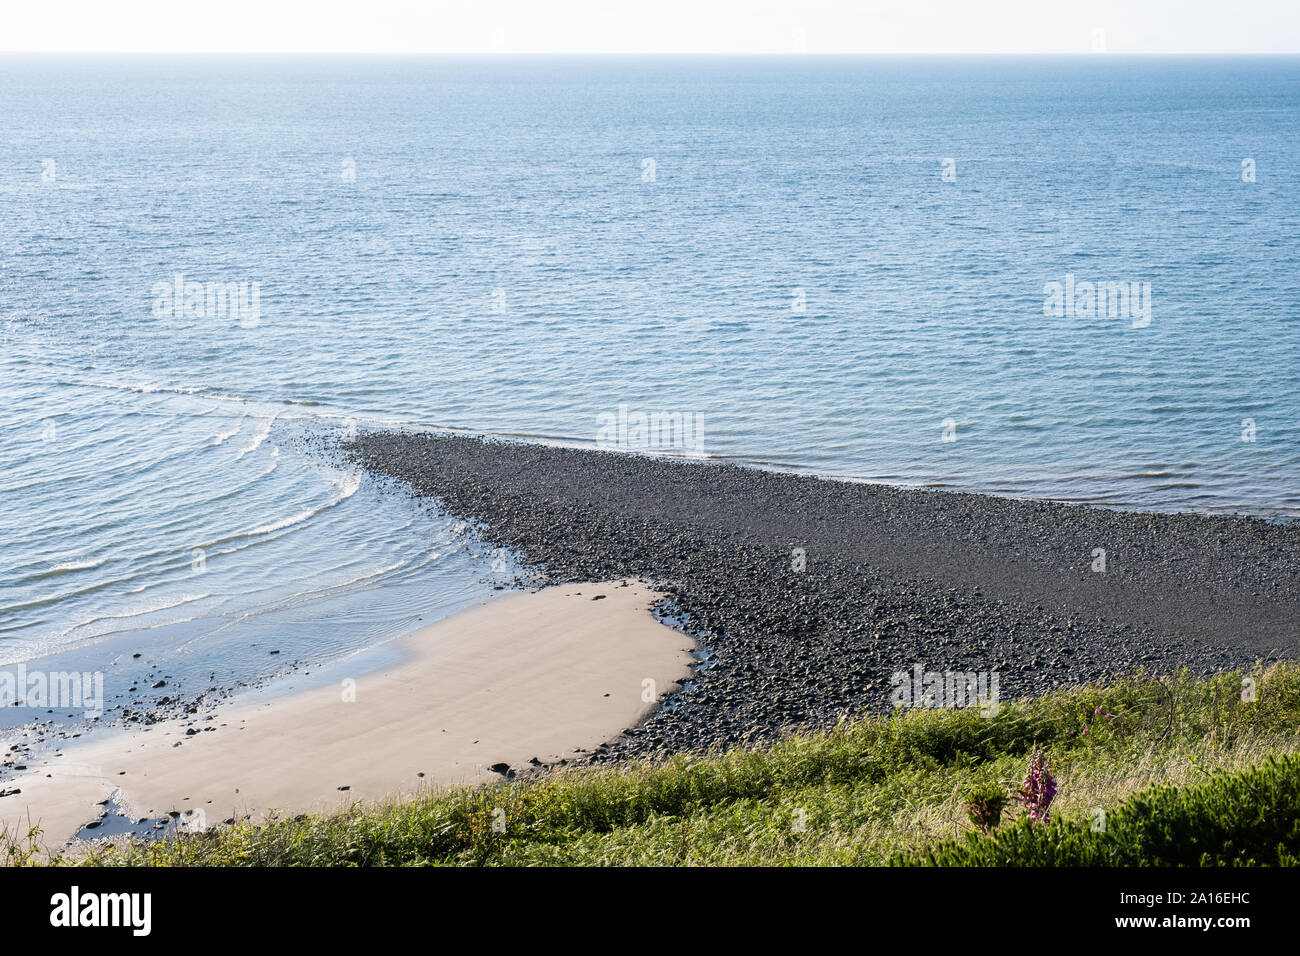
{"x": 1248, "y": 818}
{"x": 984, "y": 804}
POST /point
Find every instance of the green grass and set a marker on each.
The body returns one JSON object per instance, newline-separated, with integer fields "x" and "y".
{"x": 1247, "y": 818}
{"x": 872, "y": 791}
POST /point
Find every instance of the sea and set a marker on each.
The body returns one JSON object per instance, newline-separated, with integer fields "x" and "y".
{"x": 1064, "y": 278}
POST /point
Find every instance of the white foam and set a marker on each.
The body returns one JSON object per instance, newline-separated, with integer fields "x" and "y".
{"x": 234, "y": 431}
{"x": 75, "y": 566}
{"x": 258, "y": 438}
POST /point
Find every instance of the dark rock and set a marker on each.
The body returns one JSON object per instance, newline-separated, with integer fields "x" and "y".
{"x": 889, "y": 578}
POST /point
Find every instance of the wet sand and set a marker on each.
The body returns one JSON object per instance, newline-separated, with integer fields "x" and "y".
{"x": 543, "y": 676}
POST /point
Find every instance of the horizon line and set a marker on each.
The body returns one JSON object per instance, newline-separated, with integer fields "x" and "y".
{"x": 772, "y": 54}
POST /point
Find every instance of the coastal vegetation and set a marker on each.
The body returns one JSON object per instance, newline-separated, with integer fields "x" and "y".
{"x": 1174, "y": 770}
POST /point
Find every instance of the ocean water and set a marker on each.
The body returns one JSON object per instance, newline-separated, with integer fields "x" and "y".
{"x": 840, "y": 266}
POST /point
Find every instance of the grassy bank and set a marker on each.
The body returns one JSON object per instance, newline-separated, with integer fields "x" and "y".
{"x": 872, "y": 791}
{"x": 1246, "y": 817}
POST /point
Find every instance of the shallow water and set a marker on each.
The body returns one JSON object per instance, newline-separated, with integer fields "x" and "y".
{"x": 482, "y": 244}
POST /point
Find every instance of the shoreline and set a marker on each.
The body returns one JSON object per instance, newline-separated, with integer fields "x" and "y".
{"x": 525, "y": 679}
{"x": 808, "y": 594}
{"x": 1273, "y": 514}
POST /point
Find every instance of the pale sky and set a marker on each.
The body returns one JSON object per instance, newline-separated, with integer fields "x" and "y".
{"x": 653, "y": 26}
